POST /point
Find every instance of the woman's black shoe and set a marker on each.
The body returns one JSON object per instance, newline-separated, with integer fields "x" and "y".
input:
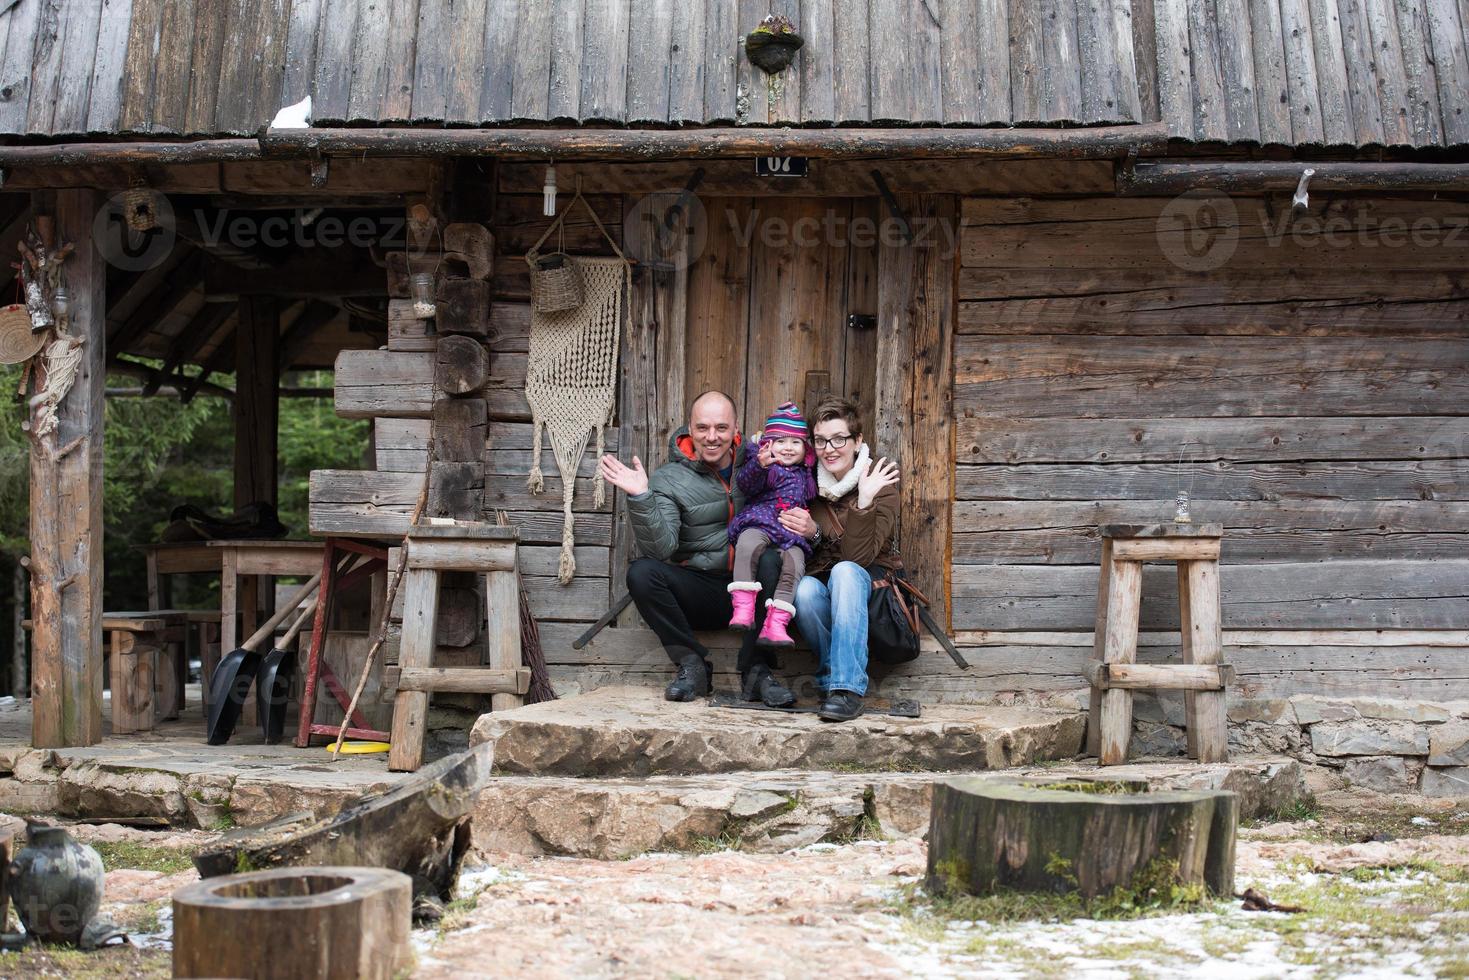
{"x": 692, "y": 680}
{"x": 840, "y": 706}
{"x": 759, "y": 684}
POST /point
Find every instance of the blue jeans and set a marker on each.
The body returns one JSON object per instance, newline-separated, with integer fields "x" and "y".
{"x": 832, "y": 616}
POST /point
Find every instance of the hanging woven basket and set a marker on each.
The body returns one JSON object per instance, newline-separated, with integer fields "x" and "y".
{"x": 140, "y": 208}
{"x": 18, "y": 342}
{"x": 555, "y": 282}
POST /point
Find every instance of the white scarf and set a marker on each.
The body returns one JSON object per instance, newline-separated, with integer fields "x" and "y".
{"x": 833, "y": 489}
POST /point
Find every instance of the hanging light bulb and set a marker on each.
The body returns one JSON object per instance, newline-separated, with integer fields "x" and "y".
{"x": 548, "y": 192}
{"x": 548, "y": 206}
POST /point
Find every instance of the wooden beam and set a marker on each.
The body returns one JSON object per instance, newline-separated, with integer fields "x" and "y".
{"x": 1154, "y": 179}
{"x": 83, "y": 154}
{"x": 310, "y": 273}
{"x": 257, "y": 343}
{"x": 313, "y": 317}
{"x": 195, "y": 334}
{"x": 159, "y": 304}
{"x": 154, "y": 380}
{"x": 66, "y": 509}
{"x": 832, "y": 144}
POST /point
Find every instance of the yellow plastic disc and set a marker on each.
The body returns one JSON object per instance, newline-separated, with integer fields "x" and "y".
{"x": 359, "y": 748}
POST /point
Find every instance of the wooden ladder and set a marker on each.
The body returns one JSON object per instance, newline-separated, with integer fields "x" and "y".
{"x": 1113, "y": 671}
{"x": 480, "y": 548}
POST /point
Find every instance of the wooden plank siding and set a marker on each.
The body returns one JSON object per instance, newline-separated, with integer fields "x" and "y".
{"x": 1315, "y": 410}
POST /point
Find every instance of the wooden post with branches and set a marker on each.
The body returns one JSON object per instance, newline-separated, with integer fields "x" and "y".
{"x": 66, "y": 493}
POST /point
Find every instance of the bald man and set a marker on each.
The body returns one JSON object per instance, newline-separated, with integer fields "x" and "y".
{"x": 680, "y": 520}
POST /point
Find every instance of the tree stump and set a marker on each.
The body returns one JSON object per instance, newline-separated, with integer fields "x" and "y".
{"x": 1037, "y": 834}
{"x": 330, "y": 922}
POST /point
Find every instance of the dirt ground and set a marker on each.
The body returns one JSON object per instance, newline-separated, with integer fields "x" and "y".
{"x": 1384, "y": 882}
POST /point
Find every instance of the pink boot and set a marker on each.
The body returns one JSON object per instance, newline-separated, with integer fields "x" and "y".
{"x": 777, "y": 618}
{"x": 742, "y": 597}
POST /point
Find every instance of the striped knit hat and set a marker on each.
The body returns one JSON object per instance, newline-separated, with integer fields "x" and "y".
{"x": 786, "y": 423}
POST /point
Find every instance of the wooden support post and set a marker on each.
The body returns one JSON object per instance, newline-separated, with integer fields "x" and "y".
{"x": 1099, "y": 638}
{"x": 410, "y": 708}
{"x": 66, "y": 506}
{"x": 1124, "y": 596}
{"x": 1207, "y": 722}
{"x": 257, "y": 389}
{"x": 914, "y": 387}
{"x": 502, "y": 600}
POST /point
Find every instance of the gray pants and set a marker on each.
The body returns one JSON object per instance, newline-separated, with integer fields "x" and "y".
{"x": 750, "y": 545}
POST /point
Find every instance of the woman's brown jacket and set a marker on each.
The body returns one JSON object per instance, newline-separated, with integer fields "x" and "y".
{"x": 867, "y": 537}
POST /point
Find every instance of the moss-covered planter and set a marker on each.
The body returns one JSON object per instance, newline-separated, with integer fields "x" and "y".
{"x": 1033, "y": 834}
{"x": 772, "y": 46}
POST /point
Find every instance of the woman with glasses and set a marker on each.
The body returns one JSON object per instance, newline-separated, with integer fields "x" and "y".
{"x": 852, "y": 524}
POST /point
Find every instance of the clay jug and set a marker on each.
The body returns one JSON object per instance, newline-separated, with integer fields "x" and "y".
{"x": 56, "y": 884}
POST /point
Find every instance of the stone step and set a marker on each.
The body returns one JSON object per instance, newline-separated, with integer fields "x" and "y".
{"x": 632, "y": 731}
{"x": 610, "y": 819}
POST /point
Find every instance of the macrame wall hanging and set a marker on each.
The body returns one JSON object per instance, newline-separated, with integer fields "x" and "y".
{"x": 571, "y": 374}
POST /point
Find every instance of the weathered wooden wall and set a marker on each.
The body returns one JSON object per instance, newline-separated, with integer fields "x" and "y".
{"x": 1309, "y": 391}
{"x": 1314, "y": 387}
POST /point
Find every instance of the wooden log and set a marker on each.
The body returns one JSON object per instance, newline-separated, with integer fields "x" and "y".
{"x": 369, "y": 383}
{"x": 502, "y": 601}
{"x": 406, "y": 331}
{"x": 1136, "y": 549}
{"x": 459, "y": 429}
{"x": 462, "y": 306}
{"x": 461, "y": 365}
{"x": 1160, "y": 677}
{"x": 335, "y": 923}
{"x": 989, "y": 833}
{"x": 466, "y": 680}
{"x": 474, "y": 245}
{"x": 256, "y": 405}
{"x": 1259, "y": 177}
{"x": 663, "y": 144}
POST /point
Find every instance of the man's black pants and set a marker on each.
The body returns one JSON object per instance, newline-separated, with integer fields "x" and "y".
{"x": 676, "y": 601}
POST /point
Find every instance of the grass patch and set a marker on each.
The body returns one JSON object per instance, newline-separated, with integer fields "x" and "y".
{"x": 143, "y": 857}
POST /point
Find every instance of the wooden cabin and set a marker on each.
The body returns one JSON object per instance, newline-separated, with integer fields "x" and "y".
{"x": 1050, "y": 248}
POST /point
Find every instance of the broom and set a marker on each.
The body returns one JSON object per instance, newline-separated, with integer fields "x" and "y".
{"x": 531, "y": 653}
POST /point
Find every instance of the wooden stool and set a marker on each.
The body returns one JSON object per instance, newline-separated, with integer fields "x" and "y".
{"x": 484, "y": 548}
{"x": 1112, "y": 669}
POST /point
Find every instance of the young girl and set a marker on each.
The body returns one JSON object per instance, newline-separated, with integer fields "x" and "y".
{"x": 776, "y": 479}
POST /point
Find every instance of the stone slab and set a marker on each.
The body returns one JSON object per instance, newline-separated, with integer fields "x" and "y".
{"x": 1365, "y": 737}
{"x": 1451, "y": 781}
{"x": 610, "y": 819}
{"x": 632, "y": 731}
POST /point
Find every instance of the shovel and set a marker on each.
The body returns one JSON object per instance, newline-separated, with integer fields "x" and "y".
{"x": 236, "y": 670}
{"x": 273, "y": 685}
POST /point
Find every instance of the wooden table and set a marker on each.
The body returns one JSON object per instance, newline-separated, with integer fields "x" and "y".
{"x": 242, "y": 564}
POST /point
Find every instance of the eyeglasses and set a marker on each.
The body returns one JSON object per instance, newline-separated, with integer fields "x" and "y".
{"x": 835, "y": 442}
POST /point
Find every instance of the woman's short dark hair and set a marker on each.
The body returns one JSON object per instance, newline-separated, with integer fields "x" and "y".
{"x": 837, "y": 408}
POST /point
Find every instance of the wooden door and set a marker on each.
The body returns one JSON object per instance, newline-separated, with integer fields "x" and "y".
{"x": 769, "y": 298}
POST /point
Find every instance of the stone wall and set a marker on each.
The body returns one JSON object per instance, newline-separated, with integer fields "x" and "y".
{"x": 1382, "y": 744}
